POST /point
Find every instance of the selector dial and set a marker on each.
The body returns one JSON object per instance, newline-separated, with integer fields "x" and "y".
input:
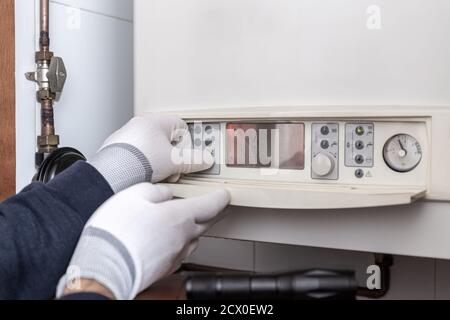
{"x": 402, "y": 153}
{"x": 323, "y": 165}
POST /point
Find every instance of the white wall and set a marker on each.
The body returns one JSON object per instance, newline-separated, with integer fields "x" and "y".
{"x": 95, "y": 38}
{"x": 236, "y": 53}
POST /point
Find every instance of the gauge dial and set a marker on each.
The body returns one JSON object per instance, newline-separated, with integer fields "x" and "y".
{"x": 402, "y": 153}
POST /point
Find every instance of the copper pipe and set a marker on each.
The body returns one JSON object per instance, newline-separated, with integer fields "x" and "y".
{"x": 48, "y": 141}
{"x": 44, "y": 39}
{"x": 47, "y": 118}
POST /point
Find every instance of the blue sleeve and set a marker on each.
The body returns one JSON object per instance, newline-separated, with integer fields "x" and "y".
{"x": 85, "y": 296}
{"x": 40, "y": 228}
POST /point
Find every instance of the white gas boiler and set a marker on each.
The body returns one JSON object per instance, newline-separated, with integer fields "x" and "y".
{"x": 354, "y": 157}
{"x": 329, "y": 121}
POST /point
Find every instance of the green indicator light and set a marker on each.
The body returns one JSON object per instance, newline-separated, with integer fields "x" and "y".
{"x": 359, "y": 131}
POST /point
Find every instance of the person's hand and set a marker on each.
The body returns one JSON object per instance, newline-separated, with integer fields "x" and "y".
{"x": 139, "y": 236}
{"x": 149, "y": 149}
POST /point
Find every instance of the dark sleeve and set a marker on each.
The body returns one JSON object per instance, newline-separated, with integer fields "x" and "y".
{"x": 40, "y": 228}
{"x": 85, "y": 296}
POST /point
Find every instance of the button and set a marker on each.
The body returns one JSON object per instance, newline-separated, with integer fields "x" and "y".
{"x": 360, "y": 130}
{"x": 198, "y": 129}
{"x": 359, "y": 145}
{"x": 359, "y": 173}
{"x": 325, "y": 130}
{"x": 322, "y": 165}
{"x": 208, "y": 129}
{"x": 325, "y": 144}
{"x": 198, "y": 142}
{"x": 359, "y": 159}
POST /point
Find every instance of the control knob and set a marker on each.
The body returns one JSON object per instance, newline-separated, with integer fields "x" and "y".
{"x": 322, "y": 165}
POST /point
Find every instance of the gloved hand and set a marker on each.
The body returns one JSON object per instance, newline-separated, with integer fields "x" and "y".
{"x": 149, "y": 149}
{"x": 141, "y": 235}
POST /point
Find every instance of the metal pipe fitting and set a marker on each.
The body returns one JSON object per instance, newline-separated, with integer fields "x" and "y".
{"x": 41, "y": 74}
{"x": 50, "y": 76}
{"x": 48, "y": 141}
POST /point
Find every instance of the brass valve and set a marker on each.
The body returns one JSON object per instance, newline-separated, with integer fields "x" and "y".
{"x": 50, "y": 77}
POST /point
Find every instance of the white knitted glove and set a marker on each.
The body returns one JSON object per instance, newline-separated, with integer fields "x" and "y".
{"x": 149, "y": 149}
{"x": 141, "y": 235}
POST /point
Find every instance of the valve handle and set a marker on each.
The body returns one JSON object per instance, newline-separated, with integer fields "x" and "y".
{"x": 57, "y": 75}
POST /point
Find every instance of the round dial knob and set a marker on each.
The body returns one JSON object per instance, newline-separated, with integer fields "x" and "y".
{"x": 322, "y": 165}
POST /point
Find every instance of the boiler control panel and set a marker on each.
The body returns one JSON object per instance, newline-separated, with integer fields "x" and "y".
{"x": 326, "y": 152}
{"x": 322, "y": 157}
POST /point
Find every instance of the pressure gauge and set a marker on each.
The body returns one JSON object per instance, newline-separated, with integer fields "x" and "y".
{"x": 402, "y": 153}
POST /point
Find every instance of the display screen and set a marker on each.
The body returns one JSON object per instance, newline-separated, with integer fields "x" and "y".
{"x": 266, "y": 145}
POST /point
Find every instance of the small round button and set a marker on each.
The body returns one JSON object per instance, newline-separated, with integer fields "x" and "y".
{"x": 360, "y": 130}
{"x": 198, "y": 129}
{"x": 325, "y": 130}
{"x": 359, "y": 145}
{"x": 198, "y": 142}
{"x": 359, "y": 173}
{"x": 322, "y": 165}
{"x": 359, "y": 159}
{"x": 325, "y": 144}
{"x": 208, "y": 129}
